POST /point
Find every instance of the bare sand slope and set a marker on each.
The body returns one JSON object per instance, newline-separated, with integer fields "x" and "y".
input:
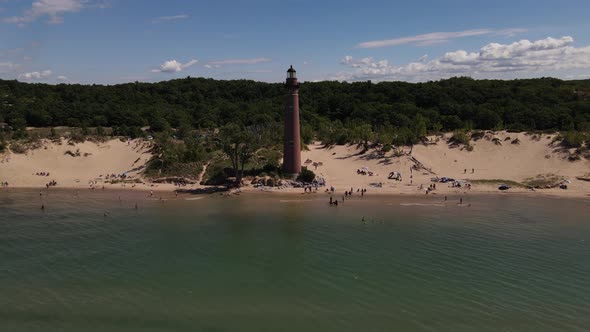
{"x": 94, "y": 159}
{"x": 516, "y": 162}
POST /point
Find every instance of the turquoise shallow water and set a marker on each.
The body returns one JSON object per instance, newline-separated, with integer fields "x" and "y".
{"x": 292, "y": 263}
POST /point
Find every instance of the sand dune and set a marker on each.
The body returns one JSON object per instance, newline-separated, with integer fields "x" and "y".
{"x": 533, "y": 156}
{"x": 91, "y": 162}
{"x": 516, "y": 162}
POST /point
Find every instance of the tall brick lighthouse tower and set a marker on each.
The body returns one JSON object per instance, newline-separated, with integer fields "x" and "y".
{"x": 292, "y": 150}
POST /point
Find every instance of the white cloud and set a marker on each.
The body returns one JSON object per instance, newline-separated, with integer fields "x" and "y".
{"x": 62, "y": 78}
{"x": 169, "y": 18}
{"x": 35, "y": 75}
{"x": 240, "y": 61}
{"x": 523, "y": 57}
{"x": 436, "y": 37}
{"x": 54, "y": 9}
{"x": 8, "y": 65}
{"x": 173, "y": 66}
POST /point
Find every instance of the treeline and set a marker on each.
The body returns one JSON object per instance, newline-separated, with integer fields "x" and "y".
{"x": 331, "y": 111}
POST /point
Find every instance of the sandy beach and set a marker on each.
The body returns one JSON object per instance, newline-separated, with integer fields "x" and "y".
{"x": 91, "y": 164}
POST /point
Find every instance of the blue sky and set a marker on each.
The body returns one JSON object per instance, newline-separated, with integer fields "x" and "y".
{"x": 115, "y": 41}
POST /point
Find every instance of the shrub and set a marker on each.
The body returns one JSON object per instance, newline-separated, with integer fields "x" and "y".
{"x": 306, "y": 176}
{"x": 386, "y": 148}
{"x": 572, "y": 139}
{"x": 460, "y": 137}
{"x": 477, "y": 135}
{"x": 18, "y": 148}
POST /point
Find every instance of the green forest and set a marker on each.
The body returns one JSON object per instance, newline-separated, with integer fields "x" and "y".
{"x": 242, "y": 111}
{"x": 447, "y": 105}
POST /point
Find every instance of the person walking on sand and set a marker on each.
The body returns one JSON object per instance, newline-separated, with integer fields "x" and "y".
{"x": 465, "y": 171}
{"x": 472, "y": 170}
{"x": 461, "y": 200}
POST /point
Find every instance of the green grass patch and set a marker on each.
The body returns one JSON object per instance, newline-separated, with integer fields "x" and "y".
{"x": 543, "y": 181}
{"x": 498, "y": 182}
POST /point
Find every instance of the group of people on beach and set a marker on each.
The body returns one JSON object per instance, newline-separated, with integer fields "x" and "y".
{"x": 4, "y": 184}
{"x": 457, "y": 184}
{"x": 115, "y": 176}
{"x": 431, "y": 187}
{"x": 310, "y": 189}
{"x": 51, "y": 183}
{"x": 349, "y": 193}
{"x": 364, "y": 172}
{"x": 42, "y": 174}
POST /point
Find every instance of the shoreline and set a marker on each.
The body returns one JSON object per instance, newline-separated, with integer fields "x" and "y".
{"x": 248, "y": 190}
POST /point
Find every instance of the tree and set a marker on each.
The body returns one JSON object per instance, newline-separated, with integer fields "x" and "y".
{"x": 488, "y": 119}
{"x": 100, "y": 131}
{"x": 159, "y": 124}
{"x": 238, "y": 144}
{"x": 306, "y": 176}
{"x": 420, "y": 126}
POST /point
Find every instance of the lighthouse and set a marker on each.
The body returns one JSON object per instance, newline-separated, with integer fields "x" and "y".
{"x": 292, "y": 147}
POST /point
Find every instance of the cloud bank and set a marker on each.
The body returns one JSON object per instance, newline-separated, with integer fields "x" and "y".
{"x": 524, "y": 56}
{"x": 35, "y": 75}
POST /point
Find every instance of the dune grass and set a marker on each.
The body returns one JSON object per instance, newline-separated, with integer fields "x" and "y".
{"x": 498, "y": 182}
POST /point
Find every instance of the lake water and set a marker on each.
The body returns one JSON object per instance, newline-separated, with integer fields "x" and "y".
{"x": 292, "y": 263}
